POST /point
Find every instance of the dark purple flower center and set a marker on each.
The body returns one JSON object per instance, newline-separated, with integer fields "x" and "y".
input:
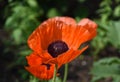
{"x": 56, "y": 48}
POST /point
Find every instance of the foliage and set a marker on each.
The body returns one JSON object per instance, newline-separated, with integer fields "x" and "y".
{"x": 23, "y": 18}
{"x": 34, "y": 79}
{"x": 108, "y": 25}
{"x": 113, "y": 33}
{"x": 101, "y": 40}
{"x": 107, "y": 67}
{"x": 108, "y": 33}
{"x": 109, "y": 9}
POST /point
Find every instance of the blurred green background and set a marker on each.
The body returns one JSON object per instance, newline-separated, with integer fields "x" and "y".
{"x": 18, "y": 18}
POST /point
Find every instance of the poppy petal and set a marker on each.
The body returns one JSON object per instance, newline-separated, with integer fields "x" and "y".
{"x": 34, "y": 42}
{"x": 85, "y": 21}
{"x": 33, "y": 60}
{"x": 85, "y": 35}
{"x": 74, "y": 35}
{"x": 45, "y": 56}
{"x": 66, "y": 20}
{"x": 72, "y": 54}
{"x": 90, "y": 26}
{"x": 41, "y": 71}
{"x": 46, "y": 33}
{"x": 92, "y": 31}
{"x": 38, "y": 68}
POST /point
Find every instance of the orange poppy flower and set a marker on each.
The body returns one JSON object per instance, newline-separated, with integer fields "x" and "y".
{"x": 38, "y": 68}
{"x": 57, "y": 39}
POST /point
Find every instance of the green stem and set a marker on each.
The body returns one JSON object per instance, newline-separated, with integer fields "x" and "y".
{"x": 65, "y": 73}
{"x": 55, "y": 73}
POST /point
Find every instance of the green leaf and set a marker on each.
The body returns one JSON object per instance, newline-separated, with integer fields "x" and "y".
{"x": 17, "y": 35}
{"x": 57, "y": 80}
{"x": 53, "y": 12}
{"x": 32, "y": 3}
{"x": 107, "y": 67}
{"x": 109, "y": 60}
{"x": 25, "y": 52}
{"x": 117, "y": 11}
{"x": 114, "y": 34}
{"x": 33, "y": 79}
{"x": 8, "y": 21}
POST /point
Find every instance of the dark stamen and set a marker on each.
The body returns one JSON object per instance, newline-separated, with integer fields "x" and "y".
{"x": 56, "y": 48}
{"x": 47, "y": 65}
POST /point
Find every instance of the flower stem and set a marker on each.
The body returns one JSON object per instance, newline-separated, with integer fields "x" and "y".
{"x": 55, "y": 73}
{"x": 65, "y": 72}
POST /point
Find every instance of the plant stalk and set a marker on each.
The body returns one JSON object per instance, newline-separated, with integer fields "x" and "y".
{"x": 65, "y": 72}
{"x": 55, "y": 73}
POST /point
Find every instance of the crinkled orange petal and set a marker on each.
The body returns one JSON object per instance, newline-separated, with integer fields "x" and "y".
{"x": 92, "y": 31}
{"x": 38, "y": 68}
{"x": 90, "y": 26}
{"x": 66, "y": 20}
{"x": 41, "y": 71}
{"x": 46, "y": 57}
{"x": 34, "y": 41}
{"x": 67, "y": 57}
{"x": 46, "y": 33}
{"x": 85, "y": 36}
{"x": 85, "y": 21}
{"x": 74, "y": 35}
{"x": 33, "y": 60}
